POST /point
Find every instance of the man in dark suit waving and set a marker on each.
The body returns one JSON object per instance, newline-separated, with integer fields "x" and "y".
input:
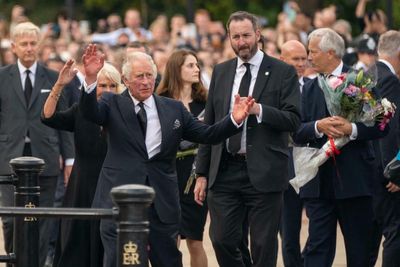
{"x": 342, "y": 189}
{"x": 247, "y": 174}
{"x": 144, "y": 132}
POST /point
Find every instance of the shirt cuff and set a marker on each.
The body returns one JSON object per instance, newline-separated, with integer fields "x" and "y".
{"x": 69, "y": 162}
{"x": 234, "y": 122}
{"x": 89, "y": 88}
{"x": 259, "y": 116}
{"x": 354, "y": 132}
{"x": 317, "y": 133}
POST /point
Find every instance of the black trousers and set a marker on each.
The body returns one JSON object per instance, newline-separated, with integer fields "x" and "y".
{"x": 290, "y": 228}
{"x": 231, "y": 198}
{"x": 162, "y": 240}
{"x": 355, "y": 219}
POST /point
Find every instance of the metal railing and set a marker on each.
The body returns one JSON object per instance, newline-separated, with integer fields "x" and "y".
{"x": 130, "y": 213}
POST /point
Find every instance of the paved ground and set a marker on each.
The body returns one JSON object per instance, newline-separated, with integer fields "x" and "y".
{"x": 340, "y": 260}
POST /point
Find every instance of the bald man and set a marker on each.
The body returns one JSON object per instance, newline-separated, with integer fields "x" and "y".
{"x": 293, "y": 53}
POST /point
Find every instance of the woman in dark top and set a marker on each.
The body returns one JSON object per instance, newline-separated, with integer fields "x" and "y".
{"x": 79, "y": 241}
{"x": 181, "y": 81}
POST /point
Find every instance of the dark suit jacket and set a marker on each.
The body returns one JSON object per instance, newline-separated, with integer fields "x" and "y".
{"x": 277, "y": 90}
{"x": 127, "y": 160}
{"x": 388, "y": 86}
{"x": 17, "y": 118}
{"x": 352, "y": 174}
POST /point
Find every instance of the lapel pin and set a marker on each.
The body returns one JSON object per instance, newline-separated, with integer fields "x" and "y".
{"x": 266, "y": 73}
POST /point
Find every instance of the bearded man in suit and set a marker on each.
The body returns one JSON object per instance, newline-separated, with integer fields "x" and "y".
{"x": 247, "y": 174}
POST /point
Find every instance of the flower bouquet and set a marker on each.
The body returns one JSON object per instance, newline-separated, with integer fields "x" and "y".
{"x": 350, "y": 96}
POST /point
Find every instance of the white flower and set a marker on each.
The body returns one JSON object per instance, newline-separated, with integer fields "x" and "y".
{"x": 387, "y": 106}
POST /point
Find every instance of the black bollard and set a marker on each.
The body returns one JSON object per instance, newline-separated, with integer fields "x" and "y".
{"x": 27, "y": 192}
{"x": 133, "y": 202}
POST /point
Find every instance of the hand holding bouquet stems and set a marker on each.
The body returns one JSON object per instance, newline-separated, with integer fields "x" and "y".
{"x": 349, "y": 98}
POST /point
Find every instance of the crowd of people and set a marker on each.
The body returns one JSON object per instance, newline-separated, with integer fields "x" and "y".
{"x": 207, "y": 115}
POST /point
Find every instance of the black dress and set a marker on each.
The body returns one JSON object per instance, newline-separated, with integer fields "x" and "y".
{"x": 79, "y": 242}
{"x": 193, "y": 215}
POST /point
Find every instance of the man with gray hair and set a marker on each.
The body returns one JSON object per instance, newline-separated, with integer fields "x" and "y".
{"x": 342, "y": 189}
{"x": 24, "y": 89}
{"x": 386, "y": 198}
{"x": 144, "y": 132}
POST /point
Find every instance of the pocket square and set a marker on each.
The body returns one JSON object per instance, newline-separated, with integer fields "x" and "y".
{"x": 45, "y": 90}
{"x": 177, "y": 124}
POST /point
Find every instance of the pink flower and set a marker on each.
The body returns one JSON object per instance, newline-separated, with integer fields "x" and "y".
{"x": 351, "y": 90}
{"x": 334, "y": 82}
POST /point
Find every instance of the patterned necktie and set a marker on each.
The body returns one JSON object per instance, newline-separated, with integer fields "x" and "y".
{"x": 234, "y": 143}
{"x": 28, "y": 87}
{"x": 142, "y": 118}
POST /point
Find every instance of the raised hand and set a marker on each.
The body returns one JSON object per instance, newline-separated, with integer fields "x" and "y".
{"x": 67, "y": 73}
{"x": 241, "y": 108}
{"x": 93, "y": 61}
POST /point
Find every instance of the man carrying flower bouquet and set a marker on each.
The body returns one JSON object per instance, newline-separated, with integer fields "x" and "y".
{"x": 386, "y": 198}
{"x": 341, "y": 191}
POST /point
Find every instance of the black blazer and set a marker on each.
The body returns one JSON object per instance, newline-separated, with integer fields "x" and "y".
{"x": 277, "y": 90}
{"x": 127, "y": 161}
{"x": 388, "y": 86}
{"x": 352, "y": 174}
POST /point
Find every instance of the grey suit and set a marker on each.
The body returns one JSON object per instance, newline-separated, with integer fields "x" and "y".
{"x": 17, "y": 119}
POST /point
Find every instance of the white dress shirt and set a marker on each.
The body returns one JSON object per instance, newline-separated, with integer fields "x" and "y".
{"x": 255, "y": 63}
{"x": 153, "y": 129}
{"x": 301, "y": 82}
{"x": 22, "y": 73}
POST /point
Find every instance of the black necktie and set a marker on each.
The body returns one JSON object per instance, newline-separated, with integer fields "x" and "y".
{"x": 28, "y": 87}
{"x": 235, "y": 141}
{"x": 142, "y": 118}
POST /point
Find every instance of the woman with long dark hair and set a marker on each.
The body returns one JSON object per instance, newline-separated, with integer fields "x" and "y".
{"x": 181, "y": 81}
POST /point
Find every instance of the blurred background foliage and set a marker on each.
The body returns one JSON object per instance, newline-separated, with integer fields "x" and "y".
{"x": 43, "y": 11}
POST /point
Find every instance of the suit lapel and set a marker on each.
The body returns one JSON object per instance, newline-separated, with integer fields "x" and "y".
{"x": 17, "y": 84}
{"x": 262, "y": 77}
{"x": 127, "y": 110}
{"x": 227, "y": 86}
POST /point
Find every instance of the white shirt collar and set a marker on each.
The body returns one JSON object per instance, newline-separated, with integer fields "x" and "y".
{"x": 149, "y": 102}
{"x": 339, "y": 69}
{"x": 255, "y": 60}
{"x": 390, "y": 66}
{"x": 301, "y": 81}
{"x": 22, "y": 68}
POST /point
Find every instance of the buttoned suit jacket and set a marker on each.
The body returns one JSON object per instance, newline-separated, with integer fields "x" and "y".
{"x": 277, "y": 90}
{"x": 127, "y": 160}
{"x": 17, "y": 118}
{"x": 351, "y": 174}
